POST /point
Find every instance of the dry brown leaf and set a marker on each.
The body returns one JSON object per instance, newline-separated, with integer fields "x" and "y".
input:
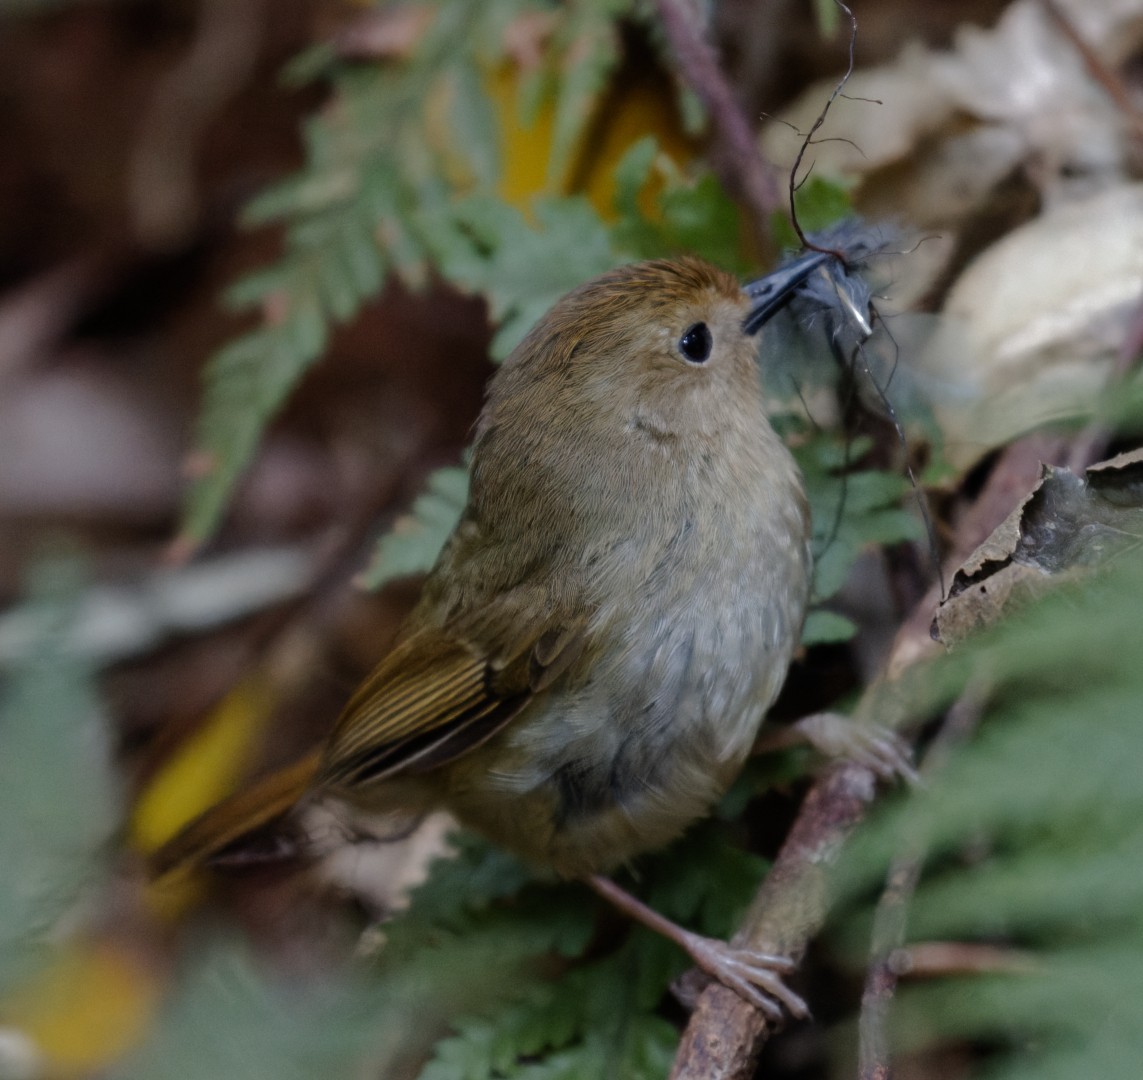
{"x": 1066, "y": 526}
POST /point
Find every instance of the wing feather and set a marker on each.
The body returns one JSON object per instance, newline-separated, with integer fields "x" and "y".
{"x": 440, "y": 694}
{"x": 394, "y": 704}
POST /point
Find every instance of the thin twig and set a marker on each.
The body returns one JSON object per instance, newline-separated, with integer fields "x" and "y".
{"x": 794, "y": 182}
{"x": 881, "y": 980}
{"x": 735, "y": 155}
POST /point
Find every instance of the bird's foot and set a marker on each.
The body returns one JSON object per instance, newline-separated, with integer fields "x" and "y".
{"x": 877, "y": 748}
{"x": 754, "y": 976}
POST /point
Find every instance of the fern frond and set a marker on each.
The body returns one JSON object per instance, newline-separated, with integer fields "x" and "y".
{"x": 1034, "y": 834}
{"x": 386, "y": 161}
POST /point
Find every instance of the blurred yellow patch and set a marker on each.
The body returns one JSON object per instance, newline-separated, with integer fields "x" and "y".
{"x": 639, "y": 101}
{"x": 86, "y": 1010}
{"x": 206, "y": 768}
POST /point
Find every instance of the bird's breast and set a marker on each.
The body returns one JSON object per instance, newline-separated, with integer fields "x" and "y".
{"x": 695, "y": 627}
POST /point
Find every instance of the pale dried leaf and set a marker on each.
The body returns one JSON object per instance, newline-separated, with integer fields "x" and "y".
{"x": 1031, "y": 330}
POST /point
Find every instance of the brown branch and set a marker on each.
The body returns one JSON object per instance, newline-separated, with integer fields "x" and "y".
{"x": 1016, "y": 472}
{"x": 725, "y": 1033}
{"x": 881, "y": 980}
{"x": 735, "y": 154}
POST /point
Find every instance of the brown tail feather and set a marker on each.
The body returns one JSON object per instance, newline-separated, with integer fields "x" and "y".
{"x": 233, "y": 818}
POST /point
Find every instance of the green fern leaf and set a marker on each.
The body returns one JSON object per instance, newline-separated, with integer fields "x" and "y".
{"x": 257, "y": 1030}
{"x": 1034, "y": 839}
{"x": 58, "y": 801}
{"x": 415, "y": 541}
{"x": 588, "y": 43}
{"x": 520, "y": 267}
{"x": 827, "y": 628}
{"x": 372, "y": 187}
{"x": 694, "y": 215}
{"x": 851, "y": 511}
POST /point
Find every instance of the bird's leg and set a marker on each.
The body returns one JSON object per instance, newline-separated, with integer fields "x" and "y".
{"x": 835, "y": 735}
{"x": 755, "y": 976}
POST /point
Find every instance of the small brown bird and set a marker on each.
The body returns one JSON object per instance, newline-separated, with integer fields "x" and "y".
{"x": 594, "y": 651}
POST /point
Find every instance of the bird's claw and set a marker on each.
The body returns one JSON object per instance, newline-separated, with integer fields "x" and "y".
{"x": 882, "y": 751}
{"x": 755, "y": 976}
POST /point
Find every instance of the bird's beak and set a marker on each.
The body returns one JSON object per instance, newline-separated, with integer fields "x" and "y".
{"x": 768, "y": 294}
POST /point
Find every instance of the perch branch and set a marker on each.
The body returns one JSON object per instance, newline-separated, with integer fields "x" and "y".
{"x": 725, "y": 1034}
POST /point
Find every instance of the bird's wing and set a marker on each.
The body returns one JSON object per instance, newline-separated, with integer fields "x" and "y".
{"x": 443, "y": 691}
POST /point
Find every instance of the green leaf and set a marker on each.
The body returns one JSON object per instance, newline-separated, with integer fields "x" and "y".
{"x": 599, "y": 1017}
{"x": 692, "y": 111}
{"x": 695, "y": 215}
{"x": 468, "y": 879}
{"x": 586, "y": 1025}
{"x": 852, "y": 510}
{"x": 372, "y": 188}
{"x": 705, "y": 880}
{"x": 474, "y": 124}
{"x": 309, "y": 65}
{"x": 632, "y": 233}
{"x": 827, "y": 628}
{"x": 59, "y": 804}
{"x": 827, "y": 15}
{"x": 522, "y": 268}
{"x": 1033, "y": 839}
{"x": 415, "y": 541}
{"x": 631, "y": 172}
{"x": 588, "y": 43}
{"x": 246, "y": 382}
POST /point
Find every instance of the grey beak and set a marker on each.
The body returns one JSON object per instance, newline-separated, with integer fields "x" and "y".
{"x": 770, "y": 293}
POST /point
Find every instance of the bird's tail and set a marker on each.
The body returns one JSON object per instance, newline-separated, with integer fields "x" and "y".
{"x": 226, "y": 822}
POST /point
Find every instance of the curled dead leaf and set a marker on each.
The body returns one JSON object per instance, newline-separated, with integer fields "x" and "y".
{"x": 1067, "y": 526}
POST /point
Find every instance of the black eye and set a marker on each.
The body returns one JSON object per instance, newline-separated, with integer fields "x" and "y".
{"x": 696, "y": 343}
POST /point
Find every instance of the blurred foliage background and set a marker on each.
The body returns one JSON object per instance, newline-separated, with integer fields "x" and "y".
{"x": 257, "y": 262}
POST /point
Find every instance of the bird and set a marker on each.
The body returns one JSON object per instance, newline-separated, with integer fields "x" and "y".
{"x": 592, "y": 655}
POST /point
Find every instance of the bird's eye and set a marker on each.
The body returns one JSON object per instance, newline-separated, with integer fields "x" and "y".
{"x": 696, "y": 343}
